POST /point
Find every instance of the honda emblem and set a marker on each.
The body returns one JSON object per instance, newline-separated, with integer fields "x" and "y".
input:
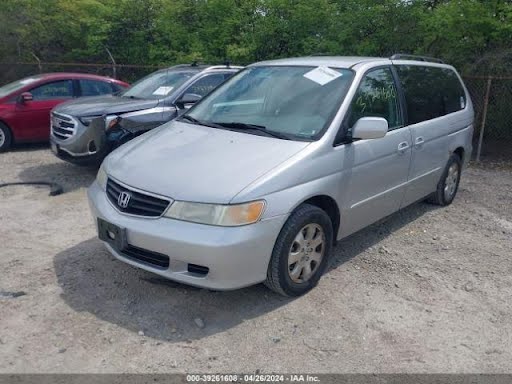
{"x": 123, "y": 199}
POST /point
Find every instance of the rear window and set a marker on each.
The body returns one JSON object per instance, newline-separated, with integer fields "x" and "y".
{"x": 430, "y": 92}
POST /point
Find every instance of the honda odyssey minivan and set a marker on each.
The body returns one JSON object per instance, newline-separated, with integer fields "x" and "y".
{"x": 257, "y": 181}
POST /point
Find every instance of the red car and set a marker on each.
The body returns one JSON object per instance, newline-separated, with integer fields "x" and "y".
{"x": 25, "y": 104}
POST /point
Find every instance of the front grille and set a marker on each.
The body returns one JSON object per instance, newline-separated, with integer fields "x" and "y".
{"x": 144, "y": 256}
{"x": 63, "y": 127}
{"x": 138, "y": 204}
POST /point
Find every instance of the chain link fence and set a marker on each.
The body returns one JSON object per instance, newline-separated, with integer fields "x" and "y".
{"x": 491, "y": 95}
{"x": 492, "y": 100}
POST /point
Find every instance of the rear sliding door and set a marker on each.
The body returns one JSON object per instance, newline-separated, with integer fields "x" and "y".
{"x": 433, "y": 95}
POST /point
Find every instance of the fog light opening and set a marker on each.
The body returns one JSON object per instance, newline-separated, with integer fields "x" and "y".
{"x": 198, "y": 270}
{"x": 92, "y": 146}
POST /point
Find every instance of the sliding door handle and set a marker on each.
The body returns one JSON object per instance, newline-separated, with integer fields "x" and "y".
{"x": 419, "y": 142}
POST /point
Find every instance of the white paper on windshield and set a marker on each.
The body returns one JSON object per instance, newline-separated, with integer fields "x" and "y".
{"x": 322, "y": 75}
{"x": 163, "y": 91}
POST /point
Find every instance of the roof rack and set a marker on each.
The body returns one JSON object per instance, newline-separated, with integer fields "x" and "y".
{"x": 184, "y": 65}
{"x": 402, "y": 56}
{"x": 223, "y": 67}
{"x": 205, "y": 67}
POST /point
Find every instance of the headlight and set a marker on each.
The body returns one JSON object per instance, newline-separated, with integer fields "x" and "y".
{"x": 214, "y": 214}
{"x": 101, "y": 178}
{"x": 111, "y": 121}
{"x": 86, "y": 120}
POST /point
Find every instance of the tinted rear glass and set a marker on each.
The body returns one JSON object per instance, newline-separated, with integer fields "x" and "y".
{"x": 430, "y": 92}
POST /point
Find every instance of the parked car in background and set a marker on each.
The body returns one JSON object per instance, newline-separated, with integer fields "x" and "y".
{"x": 257, "y": 181}
{"x": 85, "y": 131}
{"x": 25, "y": 104}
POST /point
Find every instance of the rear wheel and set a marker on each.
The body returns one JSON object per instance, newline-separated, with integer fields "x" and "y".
{"x": 301, "y": 252}
{"x": 449, "y": 184}
{"x": 5, "y": 137}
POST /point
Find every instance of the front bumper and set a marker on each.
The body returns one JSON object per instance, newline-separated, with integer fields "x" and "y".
{"x": 88, "y": 145}
{"x": 236, "y": 256}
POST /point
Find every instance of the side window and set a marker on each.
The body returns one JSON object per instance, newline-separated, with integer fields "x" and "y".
{"x": 94, "y": 87}
{"x": 430, "y": 92}
{"x": 57, "y": 90}
{"x": 454, "y": 97}
{"x": 206, "y": 84}
{"x": 377, "y": 97}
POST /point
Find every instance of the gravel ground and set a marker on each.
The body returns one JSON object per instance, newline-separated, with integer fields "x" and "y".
{"x": 427, "y": 290}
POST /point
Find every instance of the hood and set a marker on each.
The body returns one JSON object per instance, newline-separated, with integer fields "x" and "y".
{"x": 103, "y": 105}
{"x": 195, "y": 163}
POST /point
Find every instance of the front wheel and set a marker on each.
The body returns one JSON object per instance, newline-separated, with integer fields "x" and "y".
{"x": 301, "y": 252}
{"x": 449, "y": 184}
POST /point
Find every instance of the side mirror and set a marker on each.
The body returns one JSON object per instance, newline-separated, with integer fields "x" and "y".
{"x": 25, "y": 97}
{"x": 187, "y": 100}
{"x": 370, "y": 128}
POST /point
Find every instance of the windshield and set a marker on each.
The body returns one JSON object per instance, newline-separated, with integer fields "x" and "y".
{"x": 158, "y": 85}
{"x": 298, "y": 102}
{"x": 17, "y": 85}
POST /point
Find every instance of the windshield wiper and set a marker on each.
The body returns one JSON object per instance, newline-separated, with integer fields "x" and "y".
{"x": 253, "y": 127}
{"x": 200, "y": 122}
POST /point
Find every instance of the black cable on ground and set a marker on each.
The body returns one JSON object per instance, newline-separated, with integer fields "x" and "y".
{"x": 55, "y": 189}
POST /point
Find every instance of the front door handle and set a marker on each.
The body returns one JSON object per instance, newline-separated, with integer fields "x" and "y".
{"x": 402, "y": 147}
{"x": 419, "y": 142}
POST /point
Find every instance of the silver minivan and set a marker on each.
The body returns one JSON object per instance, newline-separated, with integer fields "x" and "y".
{"x": 256, "y": 182}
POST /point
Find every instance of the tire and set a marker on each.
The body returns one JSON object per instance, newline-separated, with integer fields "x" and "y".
{"x": 5, "y": 137}
{"x": 449, "y": 184}
{"x": 293, "y": 278}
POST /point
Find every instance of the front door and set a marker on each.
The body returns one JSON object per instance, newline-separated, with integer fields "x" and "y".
{"x": 33, "y": 117}
{"x": 377, "y": 169}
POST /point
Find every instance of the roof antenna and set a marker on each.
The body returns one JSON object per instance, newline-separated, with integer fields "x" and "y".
{"x": 227, "y": 63}
{"x": 194, "y": 63}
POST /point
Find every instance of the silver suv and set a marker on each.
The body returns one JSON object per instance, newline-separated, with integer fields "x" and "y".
{"x": 85, "y": 130}
{"x": 257, "y": 181}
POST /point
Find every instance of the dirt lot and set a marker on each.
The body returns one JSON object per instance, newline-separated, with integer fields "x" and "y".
{"x": 428, "y": 290}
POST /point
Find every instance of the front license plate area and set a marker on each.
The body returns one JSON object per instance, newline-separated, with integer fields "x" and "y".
{"x": 112, "y": 234}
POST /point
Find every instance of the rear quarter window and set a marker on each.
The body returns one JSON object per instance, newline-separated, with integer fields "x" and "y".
{"x": 430, "y": 92}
